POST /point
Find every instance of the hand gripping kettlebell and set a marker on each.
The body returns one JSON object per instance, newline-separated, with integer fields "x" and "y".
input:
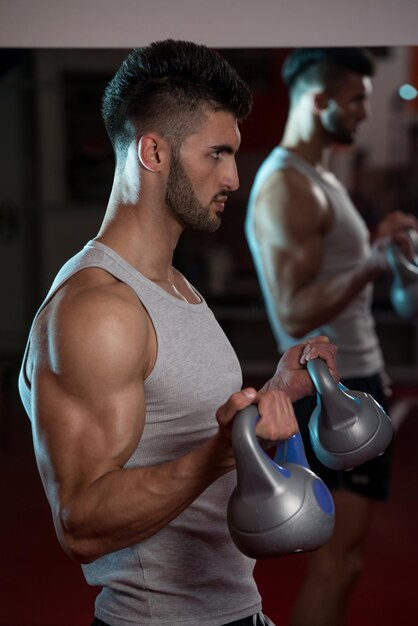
{"x": 347, "y": 428}
{"x": 404, "y": 288}
{"x": 278, "y": 506}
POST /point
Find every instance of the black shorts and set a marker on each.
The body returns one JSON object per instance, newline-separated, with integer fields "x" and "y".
{"x": 370, "y": 479}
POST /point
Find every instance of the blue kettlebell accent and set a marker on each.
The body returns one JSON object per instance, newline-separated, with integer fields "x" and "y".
{"x": 291, "y": 451}
{"x": 323, "y": 497}
{"x": 347, "y": 428}
{"x": 278, "y": 506}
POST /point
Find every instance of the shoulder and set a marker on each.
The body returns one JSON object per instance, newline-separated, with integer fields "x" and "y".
{"x": 289, "y": 186}
{"x": 95, "y": 296}
{"x": 93, "y": 318}
{"x": 292, "y": 201}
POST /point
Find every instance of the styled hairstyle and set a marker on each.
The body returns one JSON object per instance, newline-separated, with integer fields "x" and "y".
{"x": 164, "y": 86}
{"x": 324, "y": 67}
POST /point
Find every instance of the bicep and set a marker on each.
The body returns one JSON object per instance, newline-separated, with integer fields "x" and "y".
{"x": 88, "y": 399}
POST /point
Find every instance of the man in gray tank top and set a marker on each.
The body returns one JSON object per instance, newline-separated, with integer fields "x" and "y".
{"x": 316, "y": 268}
{"x": 131, "y": 385}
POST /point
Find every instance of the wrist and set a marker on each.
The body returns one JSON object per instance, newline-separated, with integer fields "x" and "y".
{"x": 280, "y": 383}
{"x": 377, "y": 262}
{"x": 221, "y": 452}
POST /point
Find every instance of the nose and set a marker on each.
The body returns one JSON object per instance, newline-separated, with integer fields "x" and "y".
{"x": 365, "y": 111}
{"x": 231, "y": 178}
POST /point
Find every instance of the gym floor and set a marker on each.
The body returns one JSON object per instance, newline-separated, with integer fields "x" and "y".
{"x": 41, "y": 586}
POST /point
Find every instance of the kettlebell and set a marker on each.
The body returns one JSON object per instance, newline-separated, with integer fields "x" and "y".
{"x": 347, "y": 428}
{"x": 404, "y": 288}
{"x": 413, "y": 236}
{"x": 279, "y": 505}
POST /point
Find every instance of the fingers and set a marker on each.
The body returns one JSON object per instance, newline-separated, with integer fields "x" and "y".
{"x": 405, "y": 243}
{"x": 319, "y": 346}
{"x": 318, "y": 339}
{"x": 277, "y": 417}
{"x": 401, "y": 238}
{"x": 238, "y": 401}
{"x": 396, "y": 221}
{"x": 324, "y": 350}
{"x": 394, "y": 229}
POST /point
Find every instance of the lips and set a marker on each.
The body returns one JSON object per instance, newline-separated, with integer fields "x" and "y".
{"x": 220, "y": 201}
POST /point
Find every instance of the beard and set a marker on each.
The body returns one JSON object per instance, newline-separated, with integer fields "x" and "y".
{"x": 336, "y": 130}
{"x": 184, "y": 204}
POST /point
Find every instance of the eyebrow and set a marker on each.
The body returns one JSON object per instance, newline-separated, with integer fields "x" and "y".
{"x": 223, "y": 147}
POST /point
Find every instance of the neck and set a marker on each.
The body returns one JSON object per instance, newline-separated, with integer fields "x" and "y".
{"x": 304, "y": 136}
{"x": 142, "y": 231}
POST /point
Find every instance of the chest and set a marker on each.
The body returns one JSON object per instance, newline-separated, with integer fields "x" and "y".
{"x": 347, "y": 239}
{"x": 196, "y": 370}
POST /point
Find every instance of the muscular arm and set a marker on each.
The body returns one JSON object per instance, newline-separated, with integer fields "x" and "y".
{"x": 92, "y": 349}
{"x": 291, "y": 218}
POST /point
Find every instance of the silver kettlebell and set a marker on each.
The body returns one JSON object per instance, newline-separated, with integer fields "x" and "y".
{"x": 278, "y": 506}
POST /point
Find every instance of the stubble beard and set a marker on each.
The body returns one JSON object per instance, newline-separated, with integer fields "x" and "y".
{"x": 184, "y": 204}
{"x": 337, "y": 132}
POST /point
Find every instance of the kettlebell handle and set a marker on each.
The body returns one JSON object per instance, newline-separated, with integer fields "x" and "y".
{"x": 337, "y": 396}
{"x": 246, "y": 445}
{"x": 321, "y": 376}
{"x": 401, "y": 267}
{"x": 413, "y": 236}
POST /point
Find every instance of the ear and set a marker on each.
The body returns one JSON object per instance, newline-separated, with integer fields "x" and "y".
{"x": 320, "y": 101}
{"x": 152, "y": 152}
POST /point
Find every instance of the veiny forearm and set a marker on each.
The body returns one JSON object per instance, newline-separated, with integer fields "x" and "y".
{"x": 126, "y": 506}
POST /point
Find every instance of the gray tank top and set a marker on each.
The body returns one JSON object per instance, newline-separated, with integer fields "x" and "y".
{"x": 190, "y": 571}
{"x": 345, "y": 247}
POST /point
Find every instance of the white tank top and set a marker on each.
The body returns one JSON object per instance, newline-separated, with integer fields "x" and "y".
{"x": 190, "y": 571}
{"x": 345, "y": 247}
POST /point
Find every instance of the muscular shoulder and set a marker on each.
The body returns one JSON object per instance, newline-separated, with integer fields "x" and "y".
{"x": 292, "y": 201}
{"x": 92, "y": 321}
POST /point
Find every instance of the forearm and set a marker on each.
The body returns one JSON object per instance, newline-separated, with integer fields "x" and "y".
{"x": 318, "y": 303}
{"x": 283, "y": 381}
{"x": 126, "y": 506}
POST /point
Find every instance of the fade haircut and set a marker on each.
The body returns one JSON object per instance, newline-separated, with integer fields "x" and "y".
{"x": 325, "y": 68}
{"x": 164, "y": 87}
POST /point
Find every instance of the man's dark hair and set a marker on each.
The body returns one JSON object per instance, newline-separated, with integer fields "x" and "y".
{"x": 164, "y": 86}
{"x": 324, "y": 67}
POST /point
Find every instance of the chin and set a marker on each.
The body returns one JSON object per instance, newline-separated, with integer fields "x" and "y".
{"x": 345, "y": 140}
{"x": 215, "y": 225}
{"x": 207, "y": 227}
{"x": 343, "y": 137}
